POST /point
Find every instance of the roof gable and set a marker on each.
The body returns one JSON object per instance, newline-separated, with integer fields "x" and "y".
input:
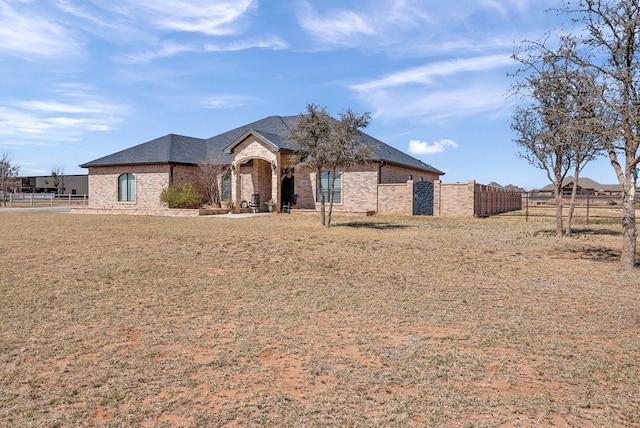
{"x": 262, "y": 138}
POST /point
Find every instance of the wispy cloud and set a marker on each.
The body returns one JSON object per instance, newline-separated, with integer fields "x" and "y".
{"x": 214, "y": 18}
{"x": 415, "y": 27}
{"x": 336, "y": 25}
{"x": 164, "y": 50}
{"x": 170, "y": 49}
{"x": 418, "y": 147}
{"x": 28, "y": 33}
{"x": 227, "y": 101}
{"x": 50, "y": 121}
{"x": 425, "y": 75}
{"x": 274, "y": 43}
{"x": 438, "y": 90}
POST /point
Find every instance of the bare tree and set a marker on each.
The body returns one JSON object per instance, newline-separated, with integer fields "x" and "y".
{"x": 325, "y": 144}
{"x": 8, "y": 176}
{"x": 610, "y": 30}
{"x": 210, "y": 173}
{"x": 554, "y": 127}
{"x": 586, "y": 120}
{"x": 57, "y": 176}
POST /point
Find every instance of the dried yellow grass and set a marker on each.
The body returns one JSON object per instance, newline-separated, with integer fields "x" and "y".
{"x": 276, "y": 321}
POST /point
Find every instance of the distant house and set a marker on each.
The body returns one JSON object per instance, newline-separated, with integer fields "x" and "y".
{"x": 262, "y": 167}
{"x": 586, "y": 186}
{"x": 71, "y": 184}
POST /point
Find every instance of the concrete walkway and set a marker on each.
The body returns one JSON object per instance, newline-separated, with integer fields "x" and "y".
{"x": 50, "y": 209}
{"x": 240, "y": 215}
{"x": 68, "y": 210}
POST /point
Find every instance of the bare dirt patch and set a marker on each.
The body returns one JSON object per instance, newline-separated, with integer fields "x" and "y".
{"x": 276, "y": 321}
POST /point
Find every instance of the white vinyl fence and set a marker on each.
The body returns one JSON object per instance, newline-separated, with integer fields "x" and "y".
{"x": 51, "y": 199}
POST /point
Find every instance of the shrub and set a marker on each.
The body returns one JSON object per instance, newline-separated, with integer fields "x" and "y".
{"x": 180, "y": 195}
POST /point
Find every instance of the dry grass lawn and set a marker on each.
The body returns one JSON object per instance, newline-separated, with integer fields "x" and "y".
{"x": 275, "y": 321}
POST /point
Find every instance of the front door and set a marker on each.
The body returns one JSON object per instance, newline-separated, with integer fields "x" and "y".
{"x": 287, "y": 191}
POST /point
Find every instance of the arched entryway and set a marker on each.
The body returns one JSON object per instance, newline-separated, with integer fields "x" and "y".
{"x": 254, "y": 182}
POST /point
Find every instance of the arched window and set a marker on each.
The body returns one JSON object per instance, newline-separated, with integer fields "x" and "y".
{"x": 127, "y": 188}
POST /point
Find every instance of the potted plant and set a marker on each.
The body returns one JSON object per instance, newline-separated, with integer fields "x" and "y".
{"x": 271, "y": 203}
{"x": 228, "y": 204}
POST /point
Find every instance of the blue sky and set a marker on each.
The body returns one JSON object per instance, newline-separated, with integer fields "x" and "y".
{"x": 81, "y": 79}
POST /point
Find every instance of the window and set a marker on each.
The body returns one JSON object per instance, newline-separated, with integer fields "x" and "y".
{"x": 127, "y": 188}
{"x": 326, "y": 179}
{"x": 226, "y": 187}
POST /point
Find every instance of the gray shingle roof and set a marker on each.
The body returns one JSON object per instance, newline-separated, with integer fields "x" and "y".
{"x": 178, "y": 149}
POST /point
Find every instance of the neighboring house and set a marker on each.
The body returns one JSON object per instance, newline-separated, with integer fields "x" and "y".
{"x": 586, "y": 186}
{"x": 74, "y": 184}
{"x": 262, "y": 167}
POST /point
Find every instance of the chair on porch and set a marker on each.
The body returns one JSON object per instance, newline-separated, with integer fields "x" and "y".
{"x": 255, "y": 202}
{"x": 286, "y": 206}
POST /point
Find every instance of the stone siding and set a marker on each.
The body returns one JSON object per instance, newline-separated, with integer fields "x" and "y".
{"x": 252, "y": 148}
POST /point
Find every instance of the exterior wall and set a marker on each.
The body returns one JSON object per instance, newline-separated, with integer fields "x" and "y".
{"x": 150, "y": 180}
{"x": 472, "y": 199}
{"x": 398, "y": 174}
{"x": 185, "y": 174}
{"x": 396, "y": 198}
{"x": 359, "y": 190}
{"x": 453, "y": 199}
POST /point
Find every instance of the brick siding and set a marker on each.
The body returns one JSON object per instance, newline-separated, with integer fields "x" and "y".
{"x": 473, "y": 200}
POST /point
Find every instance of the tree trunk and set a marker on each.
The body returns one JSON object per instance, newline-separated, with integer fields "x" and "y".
{"x": 332, "y": 193}
{"x": 558, "y": 195}
{"x": 322, "y": 211}
{"x": 572, "y": 205}
{"x": 629, "y": 229}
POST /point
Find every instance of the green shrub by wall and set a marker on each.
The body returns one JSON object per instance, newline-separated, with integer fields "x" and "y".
{"x": 181, "y": 195}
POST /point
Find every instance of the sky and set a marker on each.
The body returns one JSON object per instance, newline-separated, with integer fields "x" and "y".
{"x": 81, "y": 79}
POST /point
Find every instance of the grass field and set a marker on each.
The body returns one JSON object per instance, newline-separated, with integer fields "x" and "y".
{"x": 275, "y": 321}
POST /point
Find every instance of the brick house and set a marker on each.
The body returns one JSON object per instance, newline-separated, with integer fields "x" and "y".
{"x": 261, "y": 166}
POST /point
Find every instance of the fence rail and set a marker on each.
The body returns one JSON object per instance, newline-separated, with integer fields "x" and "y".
{"x": 50, "y": 199}
{"x": 587, "y": 207}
